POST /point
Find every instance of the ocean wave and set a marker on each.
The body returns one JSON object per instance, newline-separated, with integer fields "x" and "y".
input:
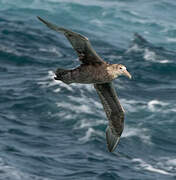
{"x": 142, "y": 133}
{"x": 81, "y": 104}
{"x": 82, "y": 108}
{"x": 171, "y": 40}
{"x": 155, "y": 105}
{"x": 149, "y": 51}
{"x": 131, "y": 105}
{"x": 90, "y": 133}
{"x": 161, "y": 106}
{"x": 167, "y": 163}
{"x": 152, "y": 56}
{"x": 12, "y": 173}
{"x": 51, "y": 49}
{"x": 142, "y": 165}
{"x": 97, "y": 22}
{"x": 10, "y": 50}
{"x": 85, "y": 123}
{"x": 149, "y": 55}
{"x": 47, "y": 81}
{"x": 134, "y": 48}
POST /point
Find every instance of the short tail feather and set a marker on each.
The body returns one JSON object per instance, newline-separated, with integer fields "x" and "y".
{"x": 112, "y": 140}
{"x": 60, "y": 73}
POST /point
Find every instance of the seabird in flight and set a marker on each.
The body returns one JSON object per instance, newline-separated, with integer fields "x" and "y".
{"x": 94, "y": 70}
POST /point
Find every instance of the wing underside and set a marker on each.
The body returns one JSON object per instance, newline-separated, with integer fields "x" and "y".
{"x": 114, "y": 112}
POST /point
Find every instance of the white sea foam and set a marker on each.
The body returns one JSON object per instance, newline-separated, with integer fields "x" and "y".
{"x": 145, "y": 166}
{"x": 171, "y": 164}
{"x": 168, "y": 164}
{"x": 132, "y": 105}
{"x": 49, "y": 81}
{"x": 87, "y": 135}
{"x": 152, "y": 56}
{"x": 156, "y": 105}
{"x": 61, "y": 84}
{"x": 90, "y": 106}
{"x": 149, "y": 55}
{"x": 165, "y": 61}
{"x": 97, "y": 22}
{"x": 85, "y": 123}
{"x": 57, "y": 90}
{"x": 171, "y": 40}
{"x": 134, "y": 48}
{"x": 160, "y": 106}
{"x": 90, "y": 133}
{"x": 135, "y": 13}
{"x": 49, "y": 76}
{"x": 142, "y": 133}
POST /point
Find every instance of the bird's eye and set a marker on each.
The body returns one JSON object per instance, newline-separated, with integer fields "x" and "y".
{"x": 120, "y": 67}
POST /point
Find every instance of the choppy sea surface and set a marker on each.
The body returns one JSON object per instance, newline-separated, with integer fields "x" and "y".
{"x": 52, "y": 131}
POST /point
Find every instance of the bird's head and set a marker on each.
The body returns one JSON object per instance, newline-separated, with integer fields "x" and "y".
{"x": 121, "y": 70}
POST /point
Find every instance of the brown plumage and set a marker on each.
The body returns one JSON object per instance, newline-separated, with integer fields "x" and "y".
{"x": 94, "y": 70}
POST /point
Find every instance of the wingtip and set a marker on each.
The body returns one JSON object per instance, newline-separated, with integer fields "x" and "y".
{"x": 111, "y": 148}
{"x": 42, "y": 20}
{"x": 112, "y": 140}
{"x": 39, "y": 17}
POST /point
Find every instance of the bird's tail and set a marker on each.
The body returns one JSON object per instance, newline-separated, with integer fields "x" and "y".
{"x": 111, "y": 139}
{"x": 62, "y": 75}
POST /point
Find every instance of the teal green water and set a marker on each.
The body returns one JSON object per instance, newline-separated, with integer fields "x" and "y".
{"x": 52, "y": 131}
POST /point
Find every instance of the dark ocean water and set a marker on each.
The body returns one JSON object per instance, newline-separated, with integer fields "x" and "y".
{"x": 52, "y": 131}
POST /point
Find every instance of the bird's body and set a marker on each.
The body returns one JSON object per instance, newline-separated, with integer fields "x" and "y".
{"x": 94, "y": 70}
{"x": 88, "y": 74}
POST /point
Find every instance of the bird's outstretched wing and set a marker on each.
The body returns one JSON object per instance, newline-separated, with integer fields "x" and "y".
{"x": 114, "y": 112}
{"x": 80, "y": 43}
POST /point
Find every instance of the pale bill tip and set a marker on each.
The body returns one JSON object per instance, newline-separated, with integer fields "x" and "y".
{"x": 126, "y": 73}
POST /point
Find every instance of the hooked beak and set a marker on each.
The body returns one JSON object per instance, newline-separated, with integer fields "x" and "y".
{"x": 126, "y": 73}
